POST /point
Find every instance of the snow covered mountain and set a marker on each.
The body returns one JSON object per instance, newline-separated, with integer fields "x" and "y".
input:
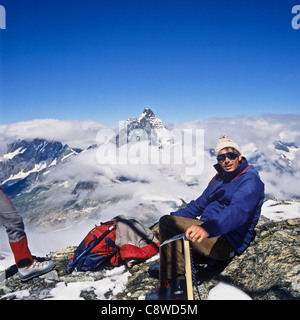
{"x": 146, "y": 127}
{"x": 51, "y": 183}
{"x": 54, "y": 184}
{"x": 26, "y": 160}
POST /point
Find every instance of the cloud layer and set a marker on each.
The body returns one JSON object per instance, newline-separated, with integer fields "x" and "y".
{"x": 257, "y": 137}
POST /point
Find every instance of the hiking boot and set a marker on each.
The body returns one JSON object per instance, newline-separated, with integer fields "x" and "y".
{"x": 35, "y": 269}
{"x": 174, "y": 289}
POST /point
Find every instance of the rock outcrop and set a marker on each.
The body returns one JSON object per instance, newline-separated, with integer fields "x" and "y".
{"x": 270, "y": 267}
{"x": 268, "y": 270}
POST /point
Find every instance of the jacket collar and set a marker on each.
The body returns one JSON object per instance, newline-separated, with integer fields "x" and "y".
{"x": 229, "y": 176}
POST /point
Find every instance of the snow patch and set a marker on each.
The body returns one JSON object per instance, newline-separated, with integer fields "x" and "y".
{"x": 281, "y": 210}
{"x": 224, "y": 291}
{"x": 114, "y": 281}
{"x": 21, "y": 175}
{"x": 11, "y": 155}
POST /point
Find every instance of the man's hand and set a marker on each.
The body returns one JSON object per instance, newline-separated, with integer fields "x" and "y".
{"x": 196, "y": 233}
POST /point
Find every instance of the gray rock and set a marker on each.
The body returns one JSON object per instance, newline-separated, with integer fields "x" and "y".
{"x": 270, "y": 267}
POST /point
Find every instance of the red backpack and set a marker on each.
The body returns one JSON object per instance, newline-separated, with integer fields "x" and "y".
{"x": 98, "y": 249}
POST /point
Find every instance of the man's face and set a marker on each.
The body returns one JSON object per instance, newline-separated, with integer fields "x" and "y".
{"x": 229, "y": 165}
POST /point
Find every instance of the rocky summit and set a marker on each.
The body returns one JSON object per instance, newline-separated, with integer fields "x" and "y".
{"x": 268, "y": 270}
{"x": 147, "y": 127}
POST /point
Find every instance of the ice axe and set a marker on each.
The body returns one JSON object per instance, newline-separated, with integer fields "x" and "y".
{"x": 187, "y": 262}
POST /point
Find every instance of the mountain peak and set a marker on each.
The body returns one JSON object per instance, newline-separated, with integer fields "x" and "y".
{"x": 147, "y": 113}
{"x": 148, "y": 120}
{"x": 142, "y": 128}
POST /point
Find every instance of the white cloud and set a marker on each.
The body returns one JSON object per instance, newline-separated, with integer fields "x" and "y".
{"x": 75, "y": 133}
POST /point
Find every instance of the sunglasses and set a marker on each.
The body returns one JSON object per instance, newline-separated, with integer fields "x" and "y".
{"x": 229, "y": 155}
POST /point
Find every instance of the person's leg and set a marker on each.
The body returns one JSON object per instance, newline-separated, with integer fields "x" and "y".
{"x": 28, "y": 268}
{"x": 172, "y": 266}
{"x": 171, "y": 257}
{"x": 14, "y": 226}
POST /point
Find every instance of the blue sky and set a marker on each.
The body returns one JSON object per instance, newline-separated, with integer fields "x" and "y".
{"x": 106, "y": 60}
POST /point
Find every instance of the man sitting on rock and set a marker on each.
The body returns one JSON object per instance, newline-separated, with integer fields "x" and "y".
{"x": 219, "y": 224}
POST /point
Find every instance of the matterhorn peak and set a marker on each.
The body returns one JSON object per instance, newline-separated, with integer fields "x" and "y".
{"x": 148, "y": 120}
{"x": 147, "y": 113}
{"x": 146, "y": 127}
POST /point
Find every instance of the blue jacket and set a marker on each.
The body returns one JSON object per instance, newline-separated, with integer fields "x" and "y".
{"x": 230, "y": 206}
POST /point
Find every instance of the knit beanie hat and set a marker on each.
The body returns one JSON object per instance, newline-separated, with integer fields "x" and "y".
{"x": 225, "y": 142}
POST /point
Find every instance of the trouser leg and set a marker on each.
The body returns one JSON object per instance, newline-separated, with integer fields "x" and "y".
{"x": 14, "y": 226}
{"x": 21, "y": 252}
{"x": 171, "y": 254}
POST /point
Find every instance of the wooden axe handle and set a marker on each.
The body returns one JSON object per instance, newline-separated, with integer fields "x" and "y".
{"x": 188, "y": 270}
